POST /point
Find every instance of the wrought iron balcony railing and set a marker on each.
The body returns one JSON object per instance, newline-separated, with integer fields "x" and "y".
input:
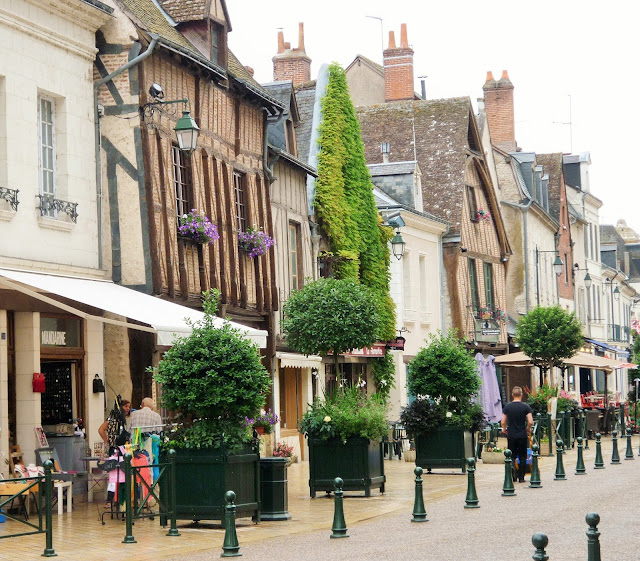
{"x": 11, "y": 196}
{"x": 49, "y": 203}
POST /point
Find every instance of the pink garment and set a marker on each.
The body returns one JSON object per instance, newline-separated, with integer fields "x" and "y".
{"x": 141, "y": 461}
{"x": 117, "y": 475}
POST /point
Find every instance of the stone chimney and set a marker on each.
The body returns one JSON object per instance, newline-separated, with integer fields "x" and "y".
{"x": 292, "y": 64}
{"x": 398, "y": 68}
{"x": 498, "y": 104}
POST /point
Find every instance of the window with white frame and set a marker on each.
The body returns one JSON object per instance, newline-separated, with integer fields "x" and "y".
{"x": 46, "y": 123}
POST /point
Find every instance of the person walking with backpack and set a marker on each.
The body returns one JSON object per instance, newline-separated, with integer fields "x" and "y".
{"x": 517, "y": 420}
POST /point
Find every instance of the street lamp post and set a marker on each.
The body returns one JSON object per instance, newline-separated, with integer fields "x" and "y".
{"x": 557, "y": 269}
{"x": 615, "y": 294}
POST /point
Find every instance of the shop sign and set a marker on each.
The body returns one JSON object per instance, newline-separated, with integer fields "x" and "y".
{"x": 397, "y": 344}
{"x": 487, "y": 330}
{"x": 59, "y": 332}
{"x": 376, "y": 350}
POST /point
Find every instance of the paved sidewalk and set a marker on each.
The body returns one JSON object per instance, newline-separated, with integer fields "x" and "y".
{"x": 379, "y": 525}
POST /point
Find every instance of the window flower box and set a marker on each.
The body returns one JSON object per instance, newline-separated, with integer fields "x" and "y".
{"x": 255, "y": 242}
{"x": 483, "y": 215}
{"x": 197, "y": 227}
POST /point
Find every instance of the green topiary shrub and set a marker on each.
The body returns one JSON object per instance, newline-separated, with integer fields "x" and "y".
{"x": 444, "y": 374}
{"x": 212, "y": 381}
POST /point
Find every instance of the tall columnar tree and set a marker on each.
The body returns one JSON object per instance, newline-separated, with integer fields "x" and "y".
{"x": 344, "y": 201}
{"x": 548, "y": 335}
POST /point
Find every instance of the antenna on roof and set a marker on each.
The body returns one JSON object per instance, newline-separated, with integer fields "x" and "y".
{"x": 570, "y": 123}
{"x": 381, "y": 33}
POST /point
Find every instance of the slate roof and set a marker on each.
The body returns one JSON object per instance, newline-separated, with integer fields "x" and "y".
{"x": 305, "y": 99}
{"x": 552, "y": 164}
{"x": 392, "y": 168}
{"x": 441, "y": 133}
{"x": 102, "y": 7}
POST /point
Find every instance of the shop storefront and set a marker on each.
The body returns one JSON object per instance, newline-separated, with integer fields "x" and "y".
{"x": 63, "y": 328}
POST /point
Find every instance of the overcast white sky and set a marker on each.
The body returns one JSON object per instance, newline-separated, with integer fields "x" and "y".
{"x": 552, "y": 50}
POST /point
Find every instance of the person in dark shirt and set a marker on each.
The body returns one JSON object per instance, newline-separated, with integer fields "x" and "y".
{"x": 517, "y": 420}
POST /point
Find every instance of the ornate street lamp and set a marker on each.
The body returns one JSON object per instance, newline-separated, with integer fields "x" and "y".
{"x": 186, "y": 128}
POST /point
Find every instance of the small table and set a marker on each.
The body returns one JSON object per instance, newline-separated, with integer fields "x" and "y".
{"x": 61, "y": 486}
{"x": 96, "y": 476}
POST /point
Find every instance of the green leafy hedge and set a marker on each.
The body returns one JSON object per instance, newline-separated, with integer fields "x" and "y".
{"x": 344, "y": 201}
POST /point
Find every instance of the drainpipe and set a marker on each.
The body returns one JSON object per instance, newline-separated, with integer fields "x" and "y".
{"x": 268, "y": 169}
{"x": 524, "y": 208}
{"x": 98, "y": 142}
{"x": 442, "y": 279}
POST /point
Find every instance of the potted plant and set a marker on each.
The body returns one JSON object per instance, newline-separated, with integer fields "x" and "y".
{"x": 345, "y": 433}
{"x": 211, "y": 381}
{"x": 264, "y": 422}
{"x": 197, "y": 227}
{"x": 255, "y": 242}
{"x": 483, "y": 215}
{"x": 441, "y": 420}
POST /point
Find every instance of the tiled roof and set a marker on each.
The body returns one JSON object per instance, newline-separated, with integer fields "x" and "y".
{"x": 552, "y": 164}
{"x": 185, "y": 10}
{"x": 149, "y": 16}
{"x": 441, "y": 133}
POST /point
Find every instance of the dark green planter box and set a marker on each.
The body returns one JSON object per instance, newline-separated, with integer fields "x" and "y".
{"x": 203, "y": 478}
{"x": 447, "y": 447}
{"x": 274, "y": 489}
{"x": 359, "y": 462}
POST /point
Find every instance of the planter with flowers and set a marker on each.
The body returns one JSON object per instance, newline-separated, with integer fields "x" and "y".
{"x": 197, "y": 228}
{"x": 211, "y": 381}
{"x": 262, "y": 426}
{"x": 500, "y": 315}
{"x": 444, "y": 415}
{"x": 483, "y": 215}
{"x": 345, "y": 440}
{"x": 254, "y": 242}
{"x": 493, "y": 455}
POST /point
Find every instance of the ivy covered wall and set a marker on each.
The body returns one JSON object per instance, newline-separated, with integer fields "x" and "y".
{"x": 344, "y": 201}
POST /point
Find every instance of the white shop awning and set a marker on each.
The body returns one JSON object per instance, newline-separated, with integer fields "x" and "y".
{"x": 163, "y": 317}
{"x": 295, "y": 360}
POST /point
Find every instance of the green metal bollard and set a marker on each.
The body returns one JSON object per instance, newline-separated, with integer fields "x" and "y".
{"x": 230, "y": 546}
{"x": 534, "y": 480}
{"x": 550, "y": 434}
{"x": 173, "y": 531}
{"x": 419, "y": 513}
{"x": 559, "y": 475}
{"x": 540, "y": 541}
{"x": 615, "y": 457}
{"x": 585, "y": 430}
{"x": 538, "y": 434}
{"x": 629, "y": 453}
{"x": 339, "y": 528}
{"x": 593, "y": 543}
{"x": 599, "y": 462}
{"x": 508, "y": 490}
{"x": 578, "y": 423}
{"x": 48, "y": 488}
{"x": 472, "y": 497}
{"x": 580, "y": 469}
{"x": 128, "y": 515}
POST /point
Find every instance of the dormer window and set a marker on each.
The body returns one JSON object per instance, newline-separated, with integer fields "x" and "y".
{"x": 218, "y": 44}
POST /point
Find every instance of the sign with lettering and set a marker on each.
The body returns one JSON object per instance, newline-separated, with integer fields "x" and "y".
{"x": 376, "y": 350}
{"x": 59, "y": 332}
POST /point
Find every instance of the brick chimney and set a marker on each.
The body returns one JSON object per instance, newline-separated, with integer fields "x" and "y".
{"x": 292, "y": 64}
{"x": 398, "y": 68}
{"x": 498, "y": 104}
